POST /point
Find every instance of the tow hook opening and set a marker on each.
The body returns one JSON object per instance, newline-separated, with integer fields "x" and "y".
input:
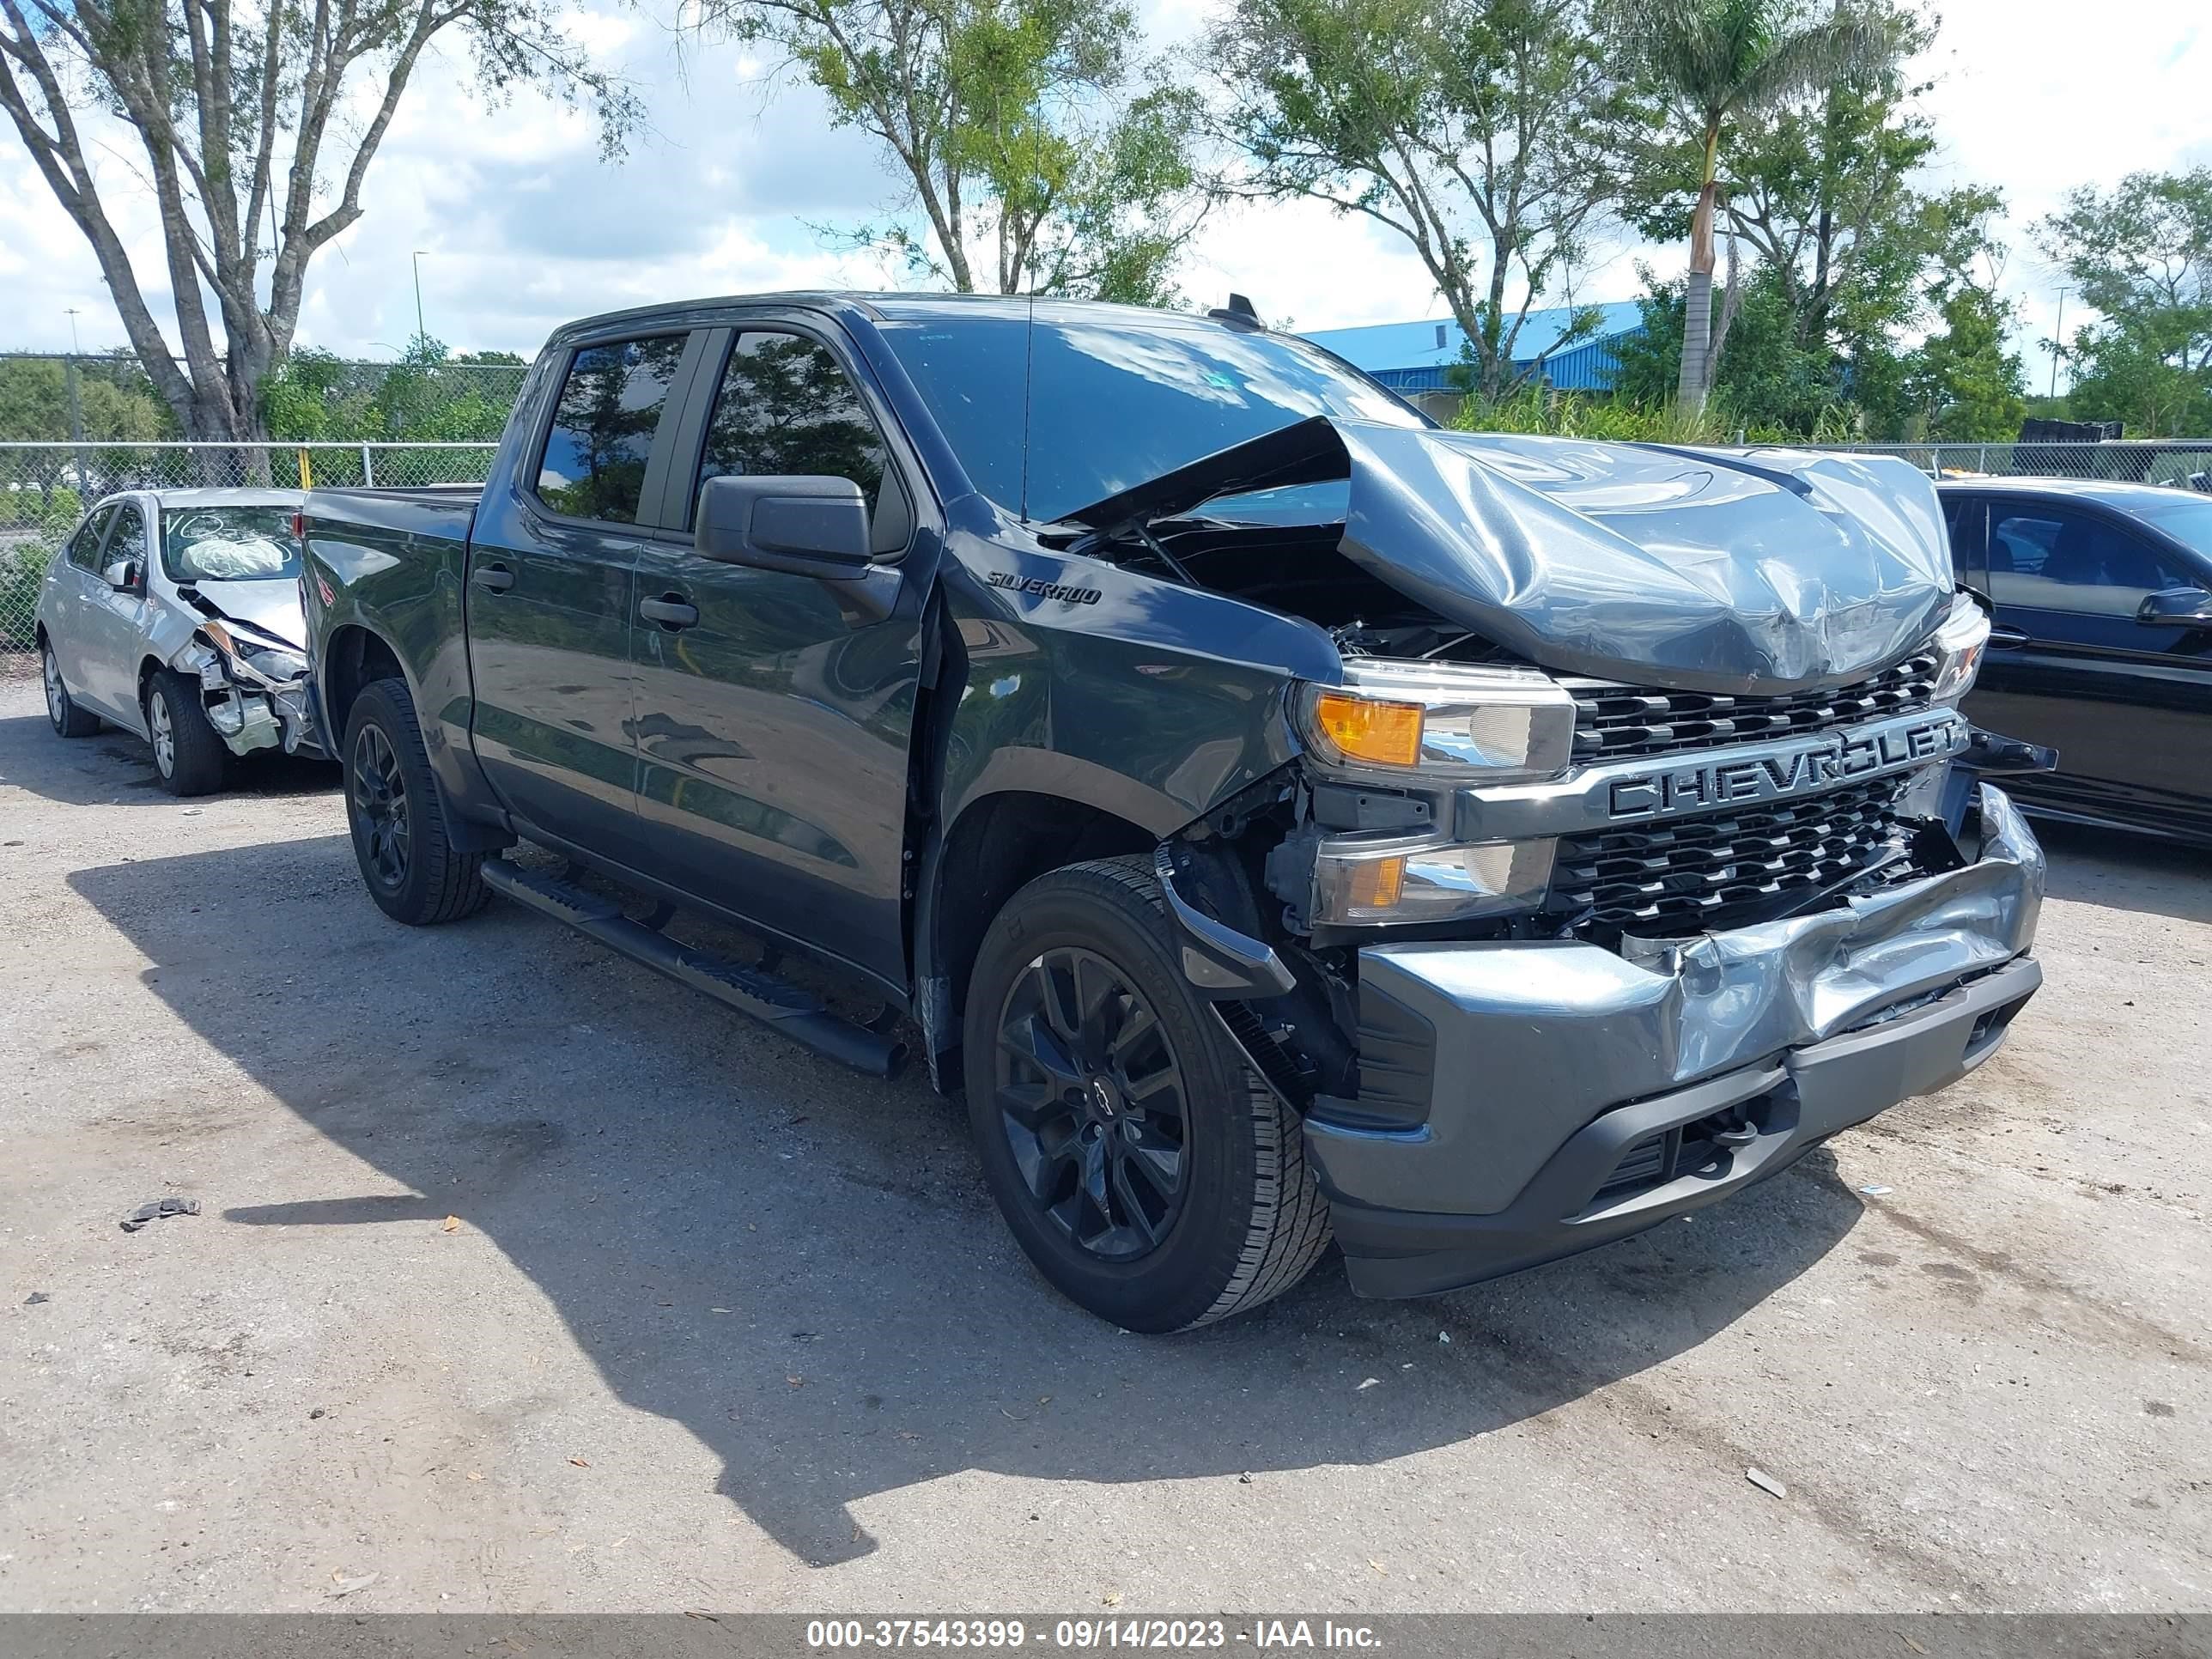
{"x": 1706, "y": 1148}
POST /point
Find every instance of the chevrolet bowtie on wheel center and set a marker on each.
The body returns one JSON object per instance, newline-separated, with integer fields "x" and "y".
{"x": 1283, "y": 819}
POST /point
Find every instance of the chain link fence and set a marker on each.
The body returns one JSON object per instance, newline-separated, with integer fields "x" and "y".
{"x": 45, "y": 488}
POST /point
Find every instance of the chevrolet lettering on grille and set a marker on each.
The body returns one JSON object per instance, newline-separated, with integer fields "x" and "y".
{"x": 1821, "y": 760}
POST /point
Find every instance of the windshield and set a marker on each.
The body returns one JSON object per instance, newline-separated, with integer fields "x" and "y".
{"x": 2187, "y": 519}
{"x": 1113, "y": 403}
{"x": 229, "y": 545}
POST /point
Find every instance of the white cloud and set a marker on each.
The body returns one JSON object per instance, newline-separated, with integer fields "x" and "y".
{"x": 525, "y": 225}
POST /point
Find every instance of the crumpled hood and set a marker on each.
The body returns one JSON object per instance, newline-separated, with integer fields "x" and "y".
{"x": 272, "y": 605}
{"x": 1759, "y": 572}
{"x": 1762, "y": 573}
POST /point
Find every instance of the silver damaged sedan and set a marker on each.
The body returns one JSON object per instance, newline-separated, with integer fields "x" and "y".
{"x": 175, "y": 615}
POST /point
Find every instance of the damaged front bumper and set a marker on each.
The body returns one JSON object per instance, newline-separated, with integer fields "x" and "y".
{"x": 247, "y": 710}
{"x": 1565, "y": 1094}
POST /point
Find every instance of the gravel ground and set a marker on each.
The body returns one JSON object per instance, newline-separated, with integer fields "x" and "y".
{"x": 525, "y": 1281}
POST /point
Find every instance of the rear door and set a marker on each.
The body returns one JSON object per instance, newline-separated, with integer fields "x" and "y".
{"x": 2127, "y": 705}
{"x": 77, "y": 579}
{"x": 551, "y": 593}
{"x": 772, "y": 727}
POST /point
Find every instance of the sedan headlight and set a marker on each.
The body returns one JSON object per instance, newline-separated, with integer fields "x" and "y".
{"x": 271, "y": 663}
{"x": 1440, "y": 720}
{"x": 1961, "y": 644}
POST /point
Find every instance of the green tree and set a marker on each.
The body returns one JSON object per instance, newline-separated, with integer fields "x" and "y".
{"x": 1483, "y": 133}
{"x": 1768, "y": 379}
{"x": 2140, "y": 258}
{"x": 1717, "y": 63}
{"x": 1041, "y": 153}
{"x": 115, "y": 405}
{"x": 1965, "y": 378}
{"x": 255, "y": 124}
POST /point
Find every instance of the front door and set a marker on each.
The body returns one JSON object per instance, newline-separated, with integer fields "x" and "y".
{"x": 551, "y": 594}
{"x": 772, "y": 729}
{"x": 112, "y": 638}
{"x": 2127, "y": 704}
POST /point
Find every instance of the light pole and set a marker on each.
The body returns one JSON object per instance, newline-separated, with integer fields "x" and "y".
{"x": 2057, "y": 344}
{"x": 420, "y": 331}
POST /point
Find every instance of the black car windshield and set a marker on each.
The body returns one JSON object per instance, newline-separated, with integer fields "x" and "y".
{"x": 1114, "y": 402}
{"x": 2187, "y": 519}
{"x": 229, "y": 544}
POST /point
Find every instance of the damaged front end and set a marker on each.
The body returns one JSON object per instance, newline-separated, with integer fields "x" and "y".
{"x": 253, "y": 686}
{"x": 1633, "y": 853}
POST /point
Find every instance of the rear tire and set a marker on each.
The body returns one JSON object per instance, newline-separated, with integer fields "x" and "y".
{"x": 411, "y": 864}
{"x": 68, "y": 721}
{"x": 1142, "y": 1164}
{"x": 189, "y": 758}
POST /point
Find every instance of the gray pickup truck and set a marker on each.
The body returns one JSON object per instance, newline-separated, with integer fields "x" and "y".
{"x": 1282, "y": 818}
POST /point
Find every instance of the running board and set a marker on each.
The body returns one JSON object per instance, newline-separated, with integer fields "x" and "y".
{"x": 784, "y": 1006}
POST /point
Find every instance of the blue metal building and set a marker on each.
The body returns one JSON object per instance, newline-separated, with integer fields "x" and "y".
{"x": 1417, "y": 357}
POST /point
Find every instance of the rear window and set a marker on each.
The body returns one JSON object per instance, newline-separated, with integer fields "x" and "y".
{"x": 601, "y": 440}
{"x": 229, "y": 545}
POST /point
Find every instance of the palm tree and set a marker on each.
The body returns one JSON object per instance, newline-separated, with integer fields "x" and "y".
{"x": 1713, "y": 60}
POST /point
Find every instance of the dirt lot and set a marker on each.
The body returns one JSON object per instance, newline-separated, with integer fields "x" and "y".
{"x": 715, "y": 1325}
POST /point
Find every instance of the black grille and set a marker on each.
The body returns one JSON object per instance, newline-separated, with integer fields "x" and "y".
{"x": 1694, "y": 873}
{"x": 1618, "y": 722}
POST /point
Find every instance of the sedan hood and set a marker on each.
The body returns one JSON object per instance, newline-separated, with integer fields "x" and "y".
{"x": 1754, "y": 572}
{"x": 272, "y": 606}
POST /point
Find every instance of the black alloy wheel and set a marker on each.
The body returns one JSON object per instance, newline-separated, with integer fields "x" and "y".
{"x": 380, "y": 807}
{"x": 1094, "y": 1103}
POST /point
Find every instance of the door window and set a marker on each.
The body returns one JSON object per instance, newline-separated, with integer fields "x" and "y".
{"x": 128, "y": 539}
{"x": 84, "y": 546}
{"x": 601, "y": 439}
{"x": 786, "y": 407}
{"x": 1966, "y": 519}
{"x": 2054, "y": 558}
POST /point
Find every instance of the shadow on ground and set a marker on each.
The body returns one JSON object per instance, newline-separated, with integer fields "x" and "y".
{"x": 111, "y": 768}
{"x": 2127, "y": 872}
{"x": 649, "y": 1162}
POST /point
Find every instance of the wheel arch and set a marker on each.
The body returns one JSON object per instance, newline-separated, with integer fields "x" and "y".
{"x": 353, "y": 656}
{"x": 999, "y": 843}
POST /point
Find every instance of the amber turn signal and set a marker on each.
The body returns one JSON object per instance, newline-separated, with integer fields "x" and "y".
{"x": 1362, "y": 729}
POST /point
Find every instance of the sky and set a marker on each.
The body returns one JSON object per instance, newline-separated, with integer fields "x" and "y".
{"x": 522, "y": 226}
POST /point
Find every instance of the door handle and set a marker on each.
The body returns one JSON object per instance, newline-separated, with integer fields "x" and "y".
{"x": 670, "y": 610}
{"x": 493, "y": 578}
{"x": 2007, "y": 639}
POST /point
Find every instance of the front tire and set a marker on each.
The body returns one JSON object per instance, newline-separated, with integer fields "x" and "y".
{"x": 189, "y": 758}
{"x": 1144, "y": 1167}
{"x": 68, "y": 721}
{"x": 411, "y": 864}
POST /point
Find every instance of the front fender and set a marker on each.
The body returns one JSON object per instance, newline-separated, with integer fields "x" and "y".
{"x": 1143, "y": 698}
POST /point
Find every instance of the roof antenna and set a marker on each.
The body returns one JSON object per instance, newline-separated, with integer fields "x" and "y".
{"x": 1239, "y": 311}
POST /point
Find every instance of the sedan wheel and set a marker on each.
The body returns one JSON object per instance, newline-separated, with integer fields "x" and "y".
{"x": 164, "y": 734}
{"x": 68, "y": 719}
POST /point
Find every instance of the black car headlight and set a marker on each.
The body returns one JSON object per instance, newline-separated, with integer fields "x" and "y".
{"x": 1443, "y": 722}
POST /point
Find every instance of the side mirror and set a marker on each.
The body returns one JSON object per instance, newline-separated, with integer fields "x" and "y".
{"x": 2177, "y": 607}
{"x": 804, "y": 526}
{"x": 122, "y": 575}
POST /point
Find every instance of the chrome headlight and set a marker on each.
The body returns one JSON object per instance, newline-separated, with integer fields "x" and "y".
{"x": 1439, "y": 720}
{"x": 1361, "y": 886}
{"x": 1961, "y": 644}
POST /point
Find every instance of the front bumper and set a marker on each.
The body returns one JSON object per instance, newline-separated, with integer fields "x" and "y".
{"x": 1574, "y": 1096}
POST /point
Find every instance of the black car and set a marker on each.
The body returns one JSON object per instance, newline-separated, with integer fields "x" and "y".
{"x": 2102, "y": 644}
{"x": 1278, "y": 815}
